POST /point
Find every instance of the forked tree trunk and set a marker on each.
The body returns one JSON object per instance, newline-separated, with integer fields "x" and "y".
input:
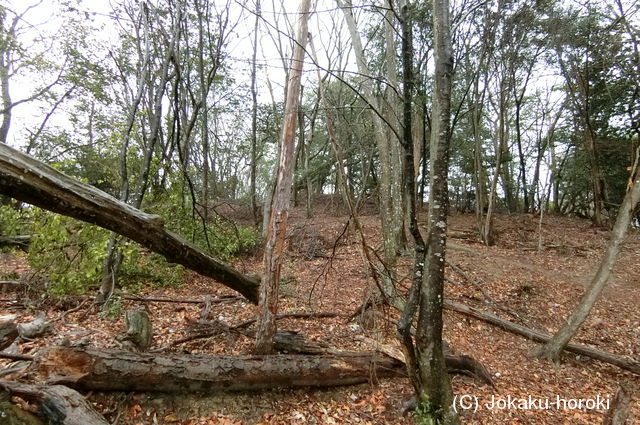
{"x": 277, "y": 227}
{"x": 556, "y": 345}
{"x": 113, "y": 259}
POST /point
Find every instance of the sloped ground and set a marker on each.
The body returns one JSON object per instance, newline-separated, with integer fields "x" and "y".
{"x": 325, "y": 272}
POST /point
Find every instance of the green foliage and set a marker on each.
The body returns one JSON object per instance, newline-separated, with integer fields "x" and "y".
{"x": 113, "y": 308}
{"x": 71, "y": 254}
{"x": 68, "y": 252}
{"x": 221, "y": 237}
{"x": 11, "y": 221}
{"x": 140, "y": 267}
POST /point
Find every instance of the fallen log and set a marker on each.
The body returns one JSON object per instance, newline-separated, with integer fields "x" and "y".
{"x": 57, "y": 404}
{"x": 294, "y": 342}
{"x": 534, "y": 335}
{"x": 114, "y": 370}
{"x": 29, "y": 180}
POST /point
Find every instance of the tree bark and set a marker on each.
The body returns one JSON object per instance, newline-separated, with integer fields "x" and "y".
{"x": 435, "y": 392}
{"x": 112, "y": 370}
{"x": 254, "y": 119}
{"x": 277, "y": 227}
{"x": 29, "y": 180}
{"x": 57, "y": 404}
{"x": 555, "y": 346}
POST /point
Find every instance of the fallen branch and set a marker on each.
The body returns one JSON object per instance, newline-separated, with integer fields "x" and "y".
{"x": 217, "y": 327}
{"x": 456, "y": 364}
{"x": 534, "y": 335}
{"x": 111, "y": 370}
{"x": 221, "y": 299}
{"x": 16, "y": 357}
{"x": 20, "y": 241}
{"x": 57, "y": 404}
{"x": 484, "y": 292}
{"x": 37, "y": 327}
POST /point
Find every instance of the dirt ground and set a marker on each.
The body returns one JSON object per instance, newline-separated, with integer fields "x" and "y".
{"x": 324, "y": 271}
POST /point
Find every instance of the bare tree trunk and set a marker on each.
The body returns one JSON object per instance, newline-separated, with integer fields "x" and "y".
{"x": 6, "y": 50}
{"x": 554, "y": 347}
{"x": 597, "y": 180}
{"x": 204, "y": 91}
{"x": 391, "y": 230}
{"x": 276, "y": 231}
{"x": 477, "y": 107}
{"x": 113, "y": 260}
{"x": 488, "y": 235}
{"x": 432, "y": 382}
{"x": 254, "y": 118}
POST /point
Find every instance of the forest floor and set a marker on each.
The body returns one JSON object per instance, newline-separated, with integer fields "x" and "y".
{"x": 324, "y": 271}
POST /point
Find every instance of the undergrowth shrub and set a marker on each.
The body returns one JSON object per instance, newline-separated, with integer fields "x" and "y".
{"x": 14, "y": 221}
{"x": 71, "y": 254}
{"x": 219, "y": 236}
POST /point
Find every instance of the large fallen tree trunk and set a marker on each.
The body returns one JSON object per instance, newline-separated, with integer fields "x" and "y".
{"x": 113, "y": 370}
{"x": 57, "y": 404}
{"x": 622, "y": 362}
{"x": 29, "y": 180}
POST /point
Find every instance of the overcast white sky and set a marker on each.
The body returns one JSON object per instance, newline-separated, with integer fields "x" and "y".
{"x": 43, "y": 20}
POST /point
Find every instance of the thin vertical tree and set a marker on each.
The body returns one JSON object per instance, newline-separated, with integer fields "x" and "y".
{"x": 425, "y": 357}
{"x": 254, "y": 117}
{"x": 277, "y": 227}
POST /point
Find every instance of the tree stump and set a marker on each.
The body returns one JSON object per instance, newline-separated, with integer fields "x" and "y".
{"x": 139, "y": 329}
